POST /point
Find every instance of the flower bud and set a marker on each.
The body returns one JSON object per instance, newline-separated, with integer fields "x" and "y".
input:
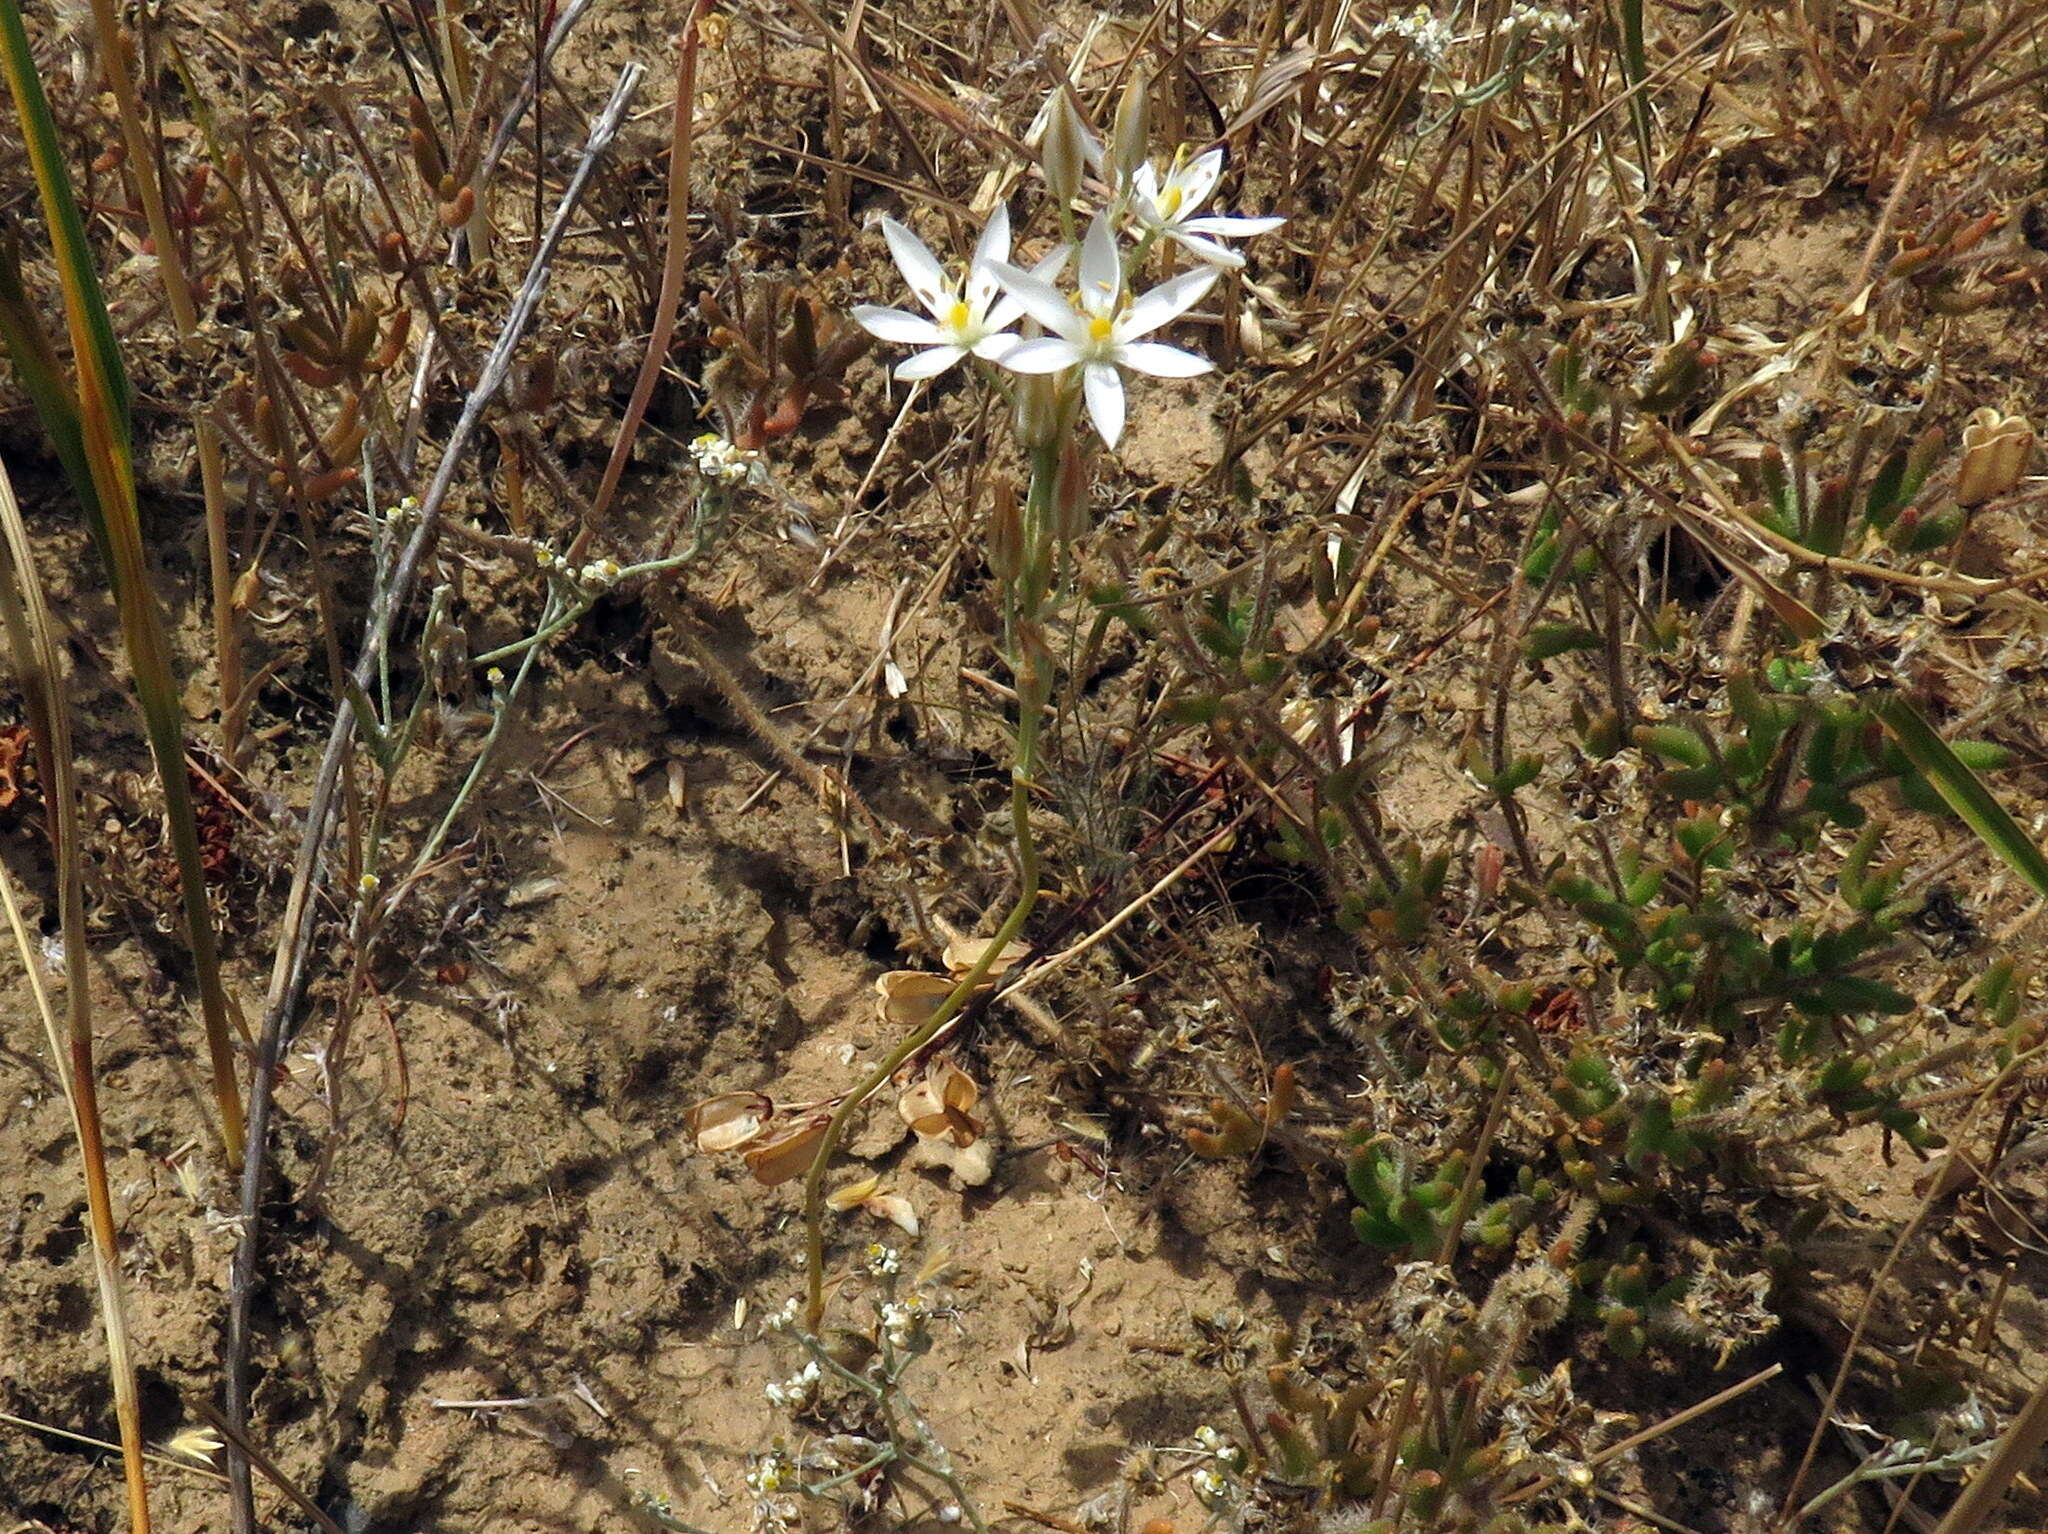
{"x": 1070, "y": 495}
{"x": 1037, "y": 409}
{"x": 1996, "y": 448}
{"x": 1005, "y": 533}
{"x": 1063, "y": 153}
{"x": 1133, "y": 128}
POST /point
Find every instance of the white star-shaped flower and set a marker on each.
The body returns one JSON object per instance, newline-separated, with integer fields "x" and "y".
{"x": 1099, "y": 330}
{"x": 1168, "y": 207}
{"x": 968, "y": 316}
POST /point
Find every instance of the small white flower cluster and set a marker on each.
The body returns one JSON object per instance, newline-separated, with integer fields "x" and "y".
{"x": 774, "y": 1478}
{"x": 720, "y": 461}
{"x": 600, "y": 573}
{"x": 406, "y": 509}
{"x": 773, "y": 1472}
{"x": 1428, "y": 35}
{"x": 901, "y": 1319}
{"x": 884, "y": 1261}
{"x": 1524, "y": 19}
{"x": 1226, "y": 1452}
{"x": 1094, "y": 335}
{"x": 783, "y": 1317}
{"x": 798, "y": 1391}
{"x": 1216, "y": 1483}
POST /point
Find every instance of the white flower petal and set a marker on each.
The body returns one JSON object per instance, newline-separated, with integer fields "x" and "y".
{"x": 1206, "y": 249}
{"x": 919, "y": 266}
{"x": 1052, "y": 263}
{"x": 930, "y": 364}
{"x": 1006, "y": 311}
{"x": 995, "y": 348}
{"x": 1145, "y": 185}
{"x": 1231, "y": 226}
{"x": 897, "y": 325}
{"x": 1041, "y": 300}
{"x": 1104, "y": 388}
{"x": 1168, "y": 301}
{"x": 994, "y": 244}
{"x": 1162, "y": 361}
{"x": 1102, "y": 273}
{"x": 1198, "y": 179}
{"x": 1045, "y": 354}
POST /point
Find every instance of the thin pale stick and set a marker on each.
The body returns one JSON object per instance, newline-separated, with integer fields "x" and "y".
{"x": 288, "y": 974}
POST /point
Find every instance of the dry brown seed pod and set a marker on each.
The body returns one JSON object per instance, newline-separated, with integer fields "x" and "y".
{"x": 1996, "y": 451}
{"x": 333, "y": 482}
{"x": 730, "y": 1120}
{"x": 940, "y": 1105}
{"x": 908, "y": 997}
{"x": 457, "y": 209}
{"x": 789, "y": 1156}
{"x": 394, "y": 343}
{"x": 963, "y": 953}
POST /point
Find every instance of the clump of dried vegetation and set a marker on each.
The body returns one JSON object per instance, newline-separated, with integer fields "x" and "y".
{"x": 1552, "y": 722}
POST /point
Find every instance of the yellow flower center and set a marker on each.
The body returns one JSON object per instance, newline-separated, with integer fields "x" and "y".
{"x": 957, "y": 316}
{"x": 1100, "y": 328}
{"x": 1170, "y": 201}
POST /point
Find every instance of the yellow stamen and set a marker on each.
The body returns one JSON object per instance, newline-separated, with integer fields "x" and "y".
{"x": 957, "y": 315}
{"x": 1170, "y": 201}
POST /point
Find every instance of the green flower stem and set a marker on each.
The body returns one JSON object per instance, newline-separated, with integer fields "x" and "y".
{"x": 1026, "y": 603}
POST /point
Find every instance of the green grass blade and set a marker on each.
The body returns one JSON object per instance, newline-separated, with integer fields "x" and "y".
{"x": 1635, "y": 69}
{"x": 60, "y": 210}
{"x": 41, "y": 376}
{"x": 1964, "y": 791}
{"x": 100, "y": 406}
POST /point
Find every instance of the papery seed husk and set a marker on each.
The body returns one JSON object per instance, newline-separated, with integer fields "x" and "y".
{"x": 896, "y": 1209}
{"x": 1996, "y": 450}
{"x": 791, "y": 1156}
{"x": 963, "y": 953}
{"x": 940, "y": 1105}
{"x": 730, "y": 1120}
{"x": 909, "y": 997}
{"x": 854, "y": 1194}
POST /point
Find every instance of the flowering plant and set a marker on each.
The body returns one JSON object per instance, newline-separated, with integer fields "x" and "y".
{"x": 1071, "y": 349}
